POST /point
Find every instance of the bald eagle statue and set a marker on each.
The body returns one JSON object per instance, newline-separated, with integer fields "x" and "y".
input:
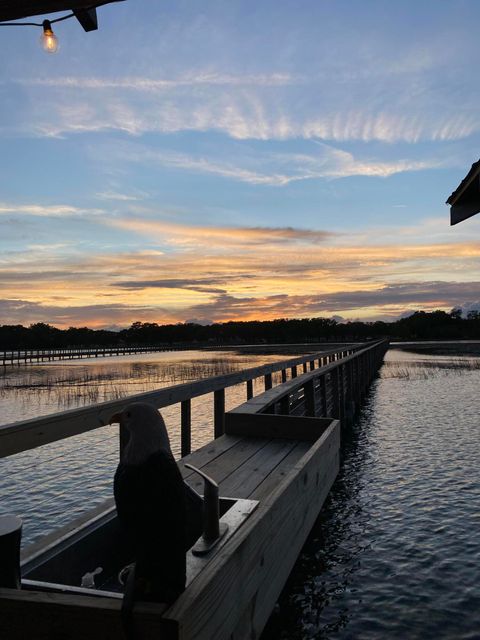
{"x": 154, "y": 505}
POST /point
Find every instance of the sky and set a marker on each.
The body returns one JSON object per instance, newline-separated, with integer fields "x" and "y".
{"x": 213, "y": 161}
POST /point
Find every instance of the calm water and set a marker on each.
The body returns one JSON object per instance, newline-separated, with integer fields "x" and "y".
{"x": 50, "y": 485}
{"x": 396, "y": 551}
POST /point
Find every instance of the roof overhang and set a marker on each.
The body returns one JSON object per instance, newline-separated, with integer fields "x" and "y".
{"x": 84, "y": 10}
{"x": 465, "y": 200}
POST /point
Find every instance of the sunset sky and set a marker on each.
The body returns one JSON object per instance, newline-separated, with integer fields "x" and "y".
{"x": 210, "y": 161}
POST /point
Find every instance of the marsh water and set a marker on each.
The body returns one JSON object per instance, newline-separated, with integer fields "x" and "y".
{"x": 53, "y": 484}
{"x": 395, "y": 552}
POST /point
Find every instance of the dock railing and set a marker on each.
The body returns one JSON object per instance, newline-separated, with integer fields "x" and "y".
{"x": 14, "y": 357}
{"x": 329, "y": 384}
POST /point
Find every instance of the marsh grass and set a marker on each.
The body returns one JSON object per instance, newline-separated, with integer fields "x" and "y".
{"x": 80, "y": 386}
{"x": 426, "y": 370}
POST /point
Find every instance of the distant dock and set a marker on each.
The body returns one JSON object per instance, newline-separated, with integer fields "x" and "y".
{"x": 26, "y": 356}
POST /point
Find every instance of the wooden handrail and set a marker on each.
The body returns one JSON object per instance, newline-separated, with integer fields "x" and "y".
{"x": 28, "y": 434}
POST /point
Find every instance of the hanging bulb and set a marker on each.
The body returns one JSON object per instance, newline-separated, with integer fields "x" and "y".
{"x": 49, "y": 39}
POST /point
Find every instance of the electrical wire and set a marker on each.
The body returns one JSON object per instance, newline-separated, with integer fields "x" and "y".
{"x": 35, "y": 24}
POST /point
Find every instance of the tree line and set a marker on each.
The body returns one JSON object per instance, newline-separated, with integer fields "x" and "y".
{"x": 421, "y": 325}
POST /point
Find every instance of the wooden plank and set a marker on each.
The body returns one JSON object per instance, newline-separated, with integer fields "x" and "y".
{"x": 224, "y": 465}
{"x": 276, "y": 576}
{"x": 247, "y": 569}
{"x": 278, "y": 474}
{"x": 252, "y": 473}
{"x": 35, "y": 615}
{"x": 207, "y": 453}
{"x": 268, "y": 425}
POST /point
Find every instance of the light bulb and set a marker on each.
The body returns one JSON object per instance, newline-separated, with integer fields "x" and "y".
{"x": 49, "y": 39}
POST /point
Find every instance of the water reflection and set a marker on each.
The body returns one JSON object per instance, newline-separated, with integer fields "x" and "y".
{"x": 395, "y": 552}
{"x": 50, "y": 485}
{"x": 34, "y": 390}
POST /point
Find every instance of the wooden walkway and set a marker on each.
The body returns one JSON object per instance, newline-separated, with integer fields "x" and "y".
{"x": 29, "y": 356}
{"x": 280, "y": 448}
{"x": 244, "y": 467}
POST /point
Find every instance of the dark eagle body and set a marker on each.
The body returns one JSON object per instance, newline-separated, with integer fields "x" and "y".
{"x": 159, "y": 514}
{"x": 151, "y": 507}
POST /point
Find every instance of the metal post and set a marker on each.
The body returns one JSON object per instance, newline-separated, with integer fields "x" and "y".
{"x": 10, "y": 537}
{"x": 219, "y": 412}
{"x": 186, "y": 426}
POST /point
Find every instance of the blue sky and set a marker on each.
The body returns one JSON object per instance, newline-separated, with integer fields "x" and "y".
{"x": 237, "y": 160}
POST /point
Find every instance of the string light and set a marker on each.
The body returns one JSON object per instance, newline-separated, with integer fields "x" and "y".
{"x": 49, "y": 39}
{"x": 86, "y": 15}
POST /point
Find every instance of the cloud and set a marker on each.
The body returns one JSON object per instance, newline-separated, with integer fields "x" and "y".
{"x": 267, "y": 168}
{"x": 401, "y": 102}
{"x": 223, "y": 237}
{"x": 149, "y": 84}
{"x": 56, "y": 211}
{"x": 121, "y": 197}
{"x": 18, "y": 311}
{"x": 202, "y": 285}
{"x": 388, "y": 301}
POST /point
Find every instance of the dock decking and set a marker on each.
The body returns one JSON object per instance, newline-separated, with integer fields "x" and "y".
{"x": 274, "y": 449}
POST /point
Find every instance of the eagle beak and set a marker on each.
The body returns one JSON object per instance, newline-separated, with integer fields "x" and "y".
{"x": 117, "y": 417}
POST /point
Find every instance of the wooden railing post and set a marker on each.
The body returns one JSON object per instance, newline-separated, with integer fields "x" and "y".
{"x": 219, "y": 412}
{"x": 323, "y": 396}
{"x": 285, "y": 405}
{"x": 294, "y": 371}
{"x": 186, "y": 426}
{"x": 268, "y": 381}
{"x": 249, "y": 389}
{"x": 309, "y": 391}
{"x": 284, "y": 375}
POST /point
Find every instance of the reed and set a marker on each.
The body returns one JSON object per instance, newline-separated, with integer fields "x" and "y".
{"x": 425, "y": 370}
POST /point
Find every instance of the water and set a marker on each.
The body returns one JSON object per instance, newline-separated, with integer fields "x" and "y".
{"x": 395, "y": 552}
{"x": 51, "y": 485}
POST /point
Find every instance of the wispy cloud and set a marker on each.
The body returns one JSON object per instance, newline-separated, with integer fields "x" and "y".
{"x": 55, "y": 210}
{"x": 272, "y": 168}
{"x": 217, "y": 236}
{"x": 402, "y": 103}
{"x": 121, "y": 197}
{"x": 390, "y": 300}
{"x": 148, "y": 84}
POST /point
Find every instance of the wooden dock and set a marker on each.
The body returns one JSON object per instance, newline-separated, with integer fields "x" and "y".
{"x": 280, "y": 449}
{"x": 30, "y": 356}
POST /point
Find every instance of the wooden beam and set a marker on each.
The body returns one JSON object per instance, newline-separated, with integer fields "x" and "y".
{"x": 267, "y": 425}
{"x": 87, "y": 18}
{"x": 247, "y": 576}
{"x": 18, "y": 9}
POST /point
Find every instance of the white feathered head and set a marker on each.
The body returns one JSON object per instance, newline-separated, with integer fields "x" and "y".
{"x": 146, "y": 432}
